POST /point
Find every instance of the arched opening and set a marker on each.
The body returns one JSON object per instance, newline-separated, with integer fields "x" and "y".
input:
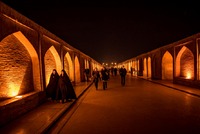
{"x": 19, "y": 65}
{"x": 51, "y": 61}
{"x": 138, "y": 66}
{"x": 167, "y": 66}
{"x": 129, "y": 66}
{"x": 134, "y": 67}
{"x": 85, "y": 63}
{"x": 145, "y": 68}
{"x": 185, "y": 64}
{"x": 149, "y": 67}
{"x": 77, "y": 71}
{"x": 68, "y": 66}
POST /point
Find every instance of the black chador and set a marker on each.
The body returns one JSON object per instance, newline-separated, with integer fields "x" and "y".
{"x": 52, "y": 85}
{"x": 65, "y": 90}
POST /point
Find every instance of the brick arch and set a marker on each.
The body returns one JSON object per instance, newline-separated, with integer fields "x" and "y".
{"x": 94, "y": 65}
{"x": 185, "y": 63}
{"x": 149, "y": 67}
{"x": 77, "y": 70}
{"x": 86, "y": 62}
{"x": 68, "y": 66}
{"x": 51, "y": 61}
{"x": 19, "y": 65}
{"x": 167, "y": 66}
{"x": 145, "y": 67}
{"x": 138, "y": 66}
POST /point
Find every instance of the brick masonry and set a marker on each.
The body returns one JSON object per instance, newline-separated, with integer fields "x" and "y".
{"x": 185, "y": 63}
{"x": 28, "y": 54}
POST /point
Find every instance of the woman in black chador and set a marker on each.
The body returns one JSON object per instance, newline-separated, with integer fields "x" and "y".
{"x": 52, "y": 86}
{"x": 65, "y": 90}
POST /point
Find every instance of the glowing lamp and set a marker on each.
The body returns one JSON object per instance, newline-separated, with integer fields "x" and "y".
{"x": 13, "y": 89}
{"x": 18, "y": 97}
{"x": 188, "y": 75}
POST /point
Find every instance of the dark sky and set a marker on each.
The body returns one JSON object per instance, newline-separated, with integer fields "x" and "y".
{"x": 112, "y": 31}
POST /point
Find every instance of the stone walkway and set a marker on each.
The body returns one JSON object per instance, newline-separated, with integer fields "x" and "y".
{"x": 41, "y": 118}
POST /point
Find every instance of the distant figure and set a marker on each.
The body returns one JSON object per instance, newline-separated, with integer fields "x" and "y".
{"x": 52, "y": 85}
{"x": 65, "y": 90}
{"x": 115, "y": 71}
{"x": 123, "y": 72}
{"x": 105, "y": 77}
{"x": 96, "y": 76}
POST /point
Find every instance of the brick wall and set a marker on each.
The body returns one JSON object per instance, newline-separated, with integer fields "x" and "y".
{"x": 66, "y": 65}
{"x": 187, "y": 64}
{"x": 15, "y": 68}
{"x": 50, "y": 64}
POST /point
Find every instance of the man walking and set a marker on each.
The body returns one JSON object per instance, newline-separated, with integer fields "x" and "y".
{"x": 123, "y": 75}
{"x": 105, "y": 77}
{"x": 96, "y": 78}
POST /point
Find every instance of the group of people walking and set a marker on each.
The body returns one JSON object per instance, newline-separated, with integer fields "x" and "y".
{"x": 104, "y": 75}
{"x": 60, "y": 87}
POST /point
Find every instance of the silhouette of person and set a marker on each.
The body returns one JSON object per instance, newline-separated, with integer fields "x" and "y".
{"x": 123, "y": 75}
{"x": 96, "y": 76}
{"x": 65, "y": 90}
{"x": 105, "y": 77}
{"x": 52, "y": 85}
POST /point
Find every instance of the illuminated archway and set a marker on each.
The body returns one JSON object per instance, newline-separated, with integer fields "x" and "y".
{"x": 149, "y": 67}
{"x": 68, "y": 66}
{"x": 19, "y": 65}
{"x": 52, "y": 61}
{"x": 185, "y": 64}
{"x": 85, "y": 63}
{"x": 138, "y": 65}
{"x": 134, "y": 67}
{"x": 77, "y": 70}
{"x": 145, "y": 68}
{"x": 167, "y": 66}
{"x": 133, "y": 64}
{"x": 129, "y": 65}
{"x": 93, "y": 65}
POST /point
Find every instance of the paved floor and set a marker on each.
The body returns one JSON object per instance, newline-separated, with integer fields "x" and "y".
{"x": 182, "y": 88}
{"x": 39, "y": 119}
{"x": 141, "y": 107}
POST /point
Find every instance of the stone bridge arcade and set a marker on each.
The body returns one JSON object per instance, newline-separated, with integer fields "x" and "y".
{"x": 178, "y": 62}
{"x": 28, "y": 54}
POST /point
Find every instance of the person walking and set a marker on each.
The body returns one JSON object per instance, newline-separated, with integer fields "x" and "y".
{"x": 115, "y": 71}
{"x": 65, "y": 90}
{"x": 96, "y": 77}
{"x": 123, "y": 72}
{"x": 52, "y": 85}
{"x": 105, "y": 77}
{"x": 70, "y": 89}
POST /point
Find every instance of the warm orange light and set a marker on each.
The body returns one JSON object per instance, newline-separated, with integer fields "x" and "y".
{"x": 188, "y": 75}
{"x": 167, "y": 66}
{"x": 13, "y": 89}
{"x": 18, "y": 97}
{"x": 68, "y": 59}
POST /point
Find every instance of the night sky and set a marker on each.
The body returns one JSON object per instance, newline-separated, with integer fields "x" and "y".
{"x": 111, "y": 31}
